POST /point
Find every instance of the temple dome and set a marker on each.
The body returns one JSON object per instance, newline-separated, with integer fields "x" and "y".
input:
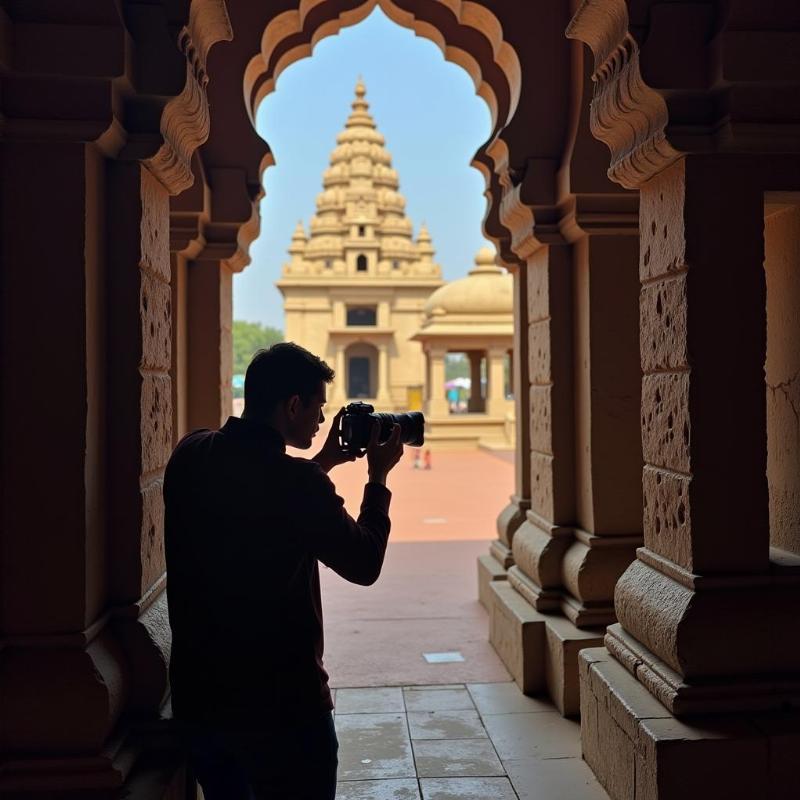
{"x": 487, "y": 289}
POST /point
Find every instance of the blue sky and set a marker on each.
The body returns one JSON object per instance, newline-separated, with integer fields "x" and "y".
{"x": 433, "y": 123}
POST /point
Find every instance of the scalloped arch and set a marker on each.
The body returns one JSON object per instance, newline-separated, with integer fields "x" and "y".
{"x": 489, "y": 60}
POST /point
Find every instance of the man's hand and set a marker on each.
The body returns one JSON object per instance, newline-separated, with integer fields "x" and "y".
{"x": 382, "y": 457}
{"x": 332, "y": 453}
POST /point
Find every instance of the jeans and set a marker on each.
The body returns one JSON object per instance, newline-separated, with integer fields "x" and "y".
{"x": 292, "y": 761}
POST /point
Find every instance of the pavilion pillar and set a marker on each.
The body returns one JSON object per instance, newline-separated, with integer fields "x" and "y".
{"x": 476, "y": 403}
{"x": 437, "y": 401}
{"x": 496, "y": 394}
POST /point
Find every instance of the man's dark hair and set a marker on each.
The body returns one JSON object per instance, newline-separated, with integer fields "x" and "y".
{"x": 279, "y": 372}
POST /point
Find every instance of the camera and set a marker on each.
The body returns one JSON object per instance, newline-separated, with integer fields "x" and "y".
{"x": 359, "y": 418}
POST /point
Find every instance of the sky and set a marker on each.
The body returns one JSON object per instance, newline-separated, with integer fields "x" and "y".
{"x": 433, "y": 123}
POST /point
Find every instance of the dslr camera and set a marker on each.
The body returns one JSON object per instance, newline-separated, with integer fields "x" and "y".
{"x": 358, "y": 419}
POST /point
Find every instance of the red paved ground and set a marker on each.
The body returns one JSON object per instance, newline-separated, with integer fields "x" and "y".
{"x": 458, "y": 499}
{"x": 424, "y": 601}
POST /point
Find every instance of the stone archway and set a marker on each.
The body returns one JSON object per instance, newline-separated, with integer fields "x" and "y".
{"x": 122, "y": 148}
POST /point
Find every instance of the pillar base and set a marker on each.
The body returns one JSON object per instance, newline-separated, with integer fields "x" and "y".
{"x": 639, "y": 751}
{"x": 709, "y": 697}
{"x": 539, "y": 650}
{"x": 489, "y": 569}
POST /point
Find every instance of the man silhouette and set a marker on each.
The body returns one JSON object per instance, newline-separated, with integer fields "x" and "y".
{"x": 246, "y": 525}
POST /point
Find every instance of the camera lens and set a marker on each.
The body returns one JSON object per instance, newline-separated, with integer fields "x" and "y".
{"x": 412, "y": 427}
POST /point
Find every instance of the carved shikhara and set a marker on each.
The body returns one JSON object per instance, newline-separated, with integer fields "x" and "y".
{"x": 626, "y": 114}
{"x": 185, "y": 120}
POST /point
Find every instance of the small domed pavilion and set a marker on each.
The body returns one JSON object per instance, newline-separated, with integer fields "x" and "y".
{"x": 473, "y": 315}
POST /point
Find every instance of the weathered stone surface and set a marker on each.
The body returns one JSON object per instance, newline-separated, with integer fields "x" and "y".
{"x": 538, "y": 553}
{"x": 541, "y": 417}
{"x": 538, "y": 286}
{"x": 663, "y": 334}
{"x": 666, "y": 435}
{"x": 563, "y": 643}
{"x": 661, "y": 223}
{"x": 156, "y": 421}
{"x": 516, "y": 631}
{"x": 590, "y": 573}
{"x": 155, "y": 314}
{"x": 153, "y": 560}
{"x": 539, "y": 365}
{"x": 154, "y": 241}
{"x": 489, "y": 569}
{"x": 650, "y": 606}
{"x": 667, "y": 523}
{"x": 641, "y": 752}
{"x": 542, "y": 500}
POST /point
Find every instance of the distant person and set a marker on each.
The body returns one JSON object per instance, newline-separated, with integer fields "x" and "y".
{"x": 246, "y": 525}
{"x": 418, "y": 460}
{"x": 427, "y": 459}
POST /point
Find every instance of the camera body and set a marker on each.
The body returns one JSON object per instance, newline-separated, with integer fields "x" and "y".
{"x": 358, "y": 419}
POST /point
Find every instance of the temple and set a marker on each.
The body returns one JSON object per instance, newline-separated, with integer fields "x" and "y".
{"x": 355, "y": 287}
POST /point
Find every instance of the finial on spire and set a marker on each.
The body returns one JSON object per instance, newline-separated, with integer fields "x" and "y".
{"x": 299, "y": 231}
{"x": 361, "y": 89}
{"x": 423, "y": 236}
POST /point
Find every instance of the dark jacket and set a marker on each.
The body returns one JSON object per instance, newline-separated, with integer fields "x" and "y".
{"x": 245, "y": 526}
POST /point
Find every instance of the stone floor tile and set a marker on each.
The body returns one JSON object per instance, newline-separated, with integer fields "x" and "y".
{"x": 438, "y": 699}
{"x": 404, "y": 789}
{"x": 434, "y": 687}
{"x": 370, "y": 701}
{"x": 445, "y": 725}
{"x": 553, "y": 779}
{"x": 443, "y": 758}
{"x": 533, "y": 735}
{"x": 505, "y": 698}
{"x": 374, "y": 746}
{"x": 467, "y": 789}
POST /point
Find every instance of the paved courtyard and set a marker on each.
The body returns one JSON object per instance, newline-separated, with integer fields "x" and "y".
{"x": 413, "y": 730}
{"x": 475, "y": 741}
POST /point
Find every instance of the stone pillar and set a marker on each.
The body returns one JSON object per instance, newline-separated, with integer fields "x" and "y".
{"x": 496, "y": 395}
{"x": 383, "y": 396}
{"x": 139, "y": 335}
{"x": 437, "y": 402}
{"x": 209, "y": 326}
{"x": 495, "y": 565}
{"x": 476, "y": 403}
{"x": 583, "y": 525}
{"x": 63, "y": 672}
{"x": 690, "y": 629}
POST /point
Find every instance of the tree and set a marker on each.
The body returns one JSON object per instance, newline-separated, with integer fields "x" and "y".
{"x": 247, "y": 338}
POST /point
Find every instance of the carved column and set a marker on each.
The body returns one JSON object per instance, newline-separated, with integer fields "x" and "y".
{"x": 698, "y": 670}
{"x": 64, "y": 677}
{"x": 578, "y": 235}
{"x": 494, "y": 566}
{"x": 210, "y": 347}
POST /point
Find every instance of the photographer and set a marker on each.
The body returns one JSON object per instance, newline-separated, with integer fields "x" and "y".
{"x": 246, "y": 525}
